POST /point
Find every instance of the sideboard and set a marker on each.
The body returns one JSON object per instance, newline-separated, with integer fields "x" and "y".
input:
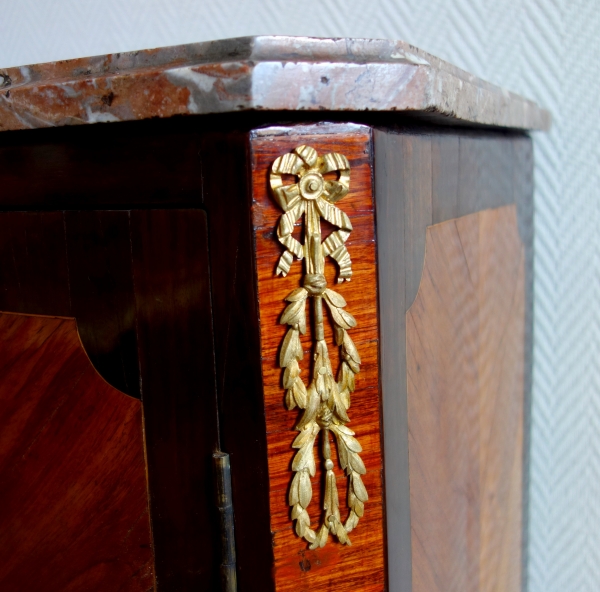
{"x": 266, "y": 324}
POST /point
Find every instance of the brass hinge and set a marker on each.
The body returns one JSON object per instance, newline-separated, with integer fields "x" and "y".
{"x": 222, "y": 472}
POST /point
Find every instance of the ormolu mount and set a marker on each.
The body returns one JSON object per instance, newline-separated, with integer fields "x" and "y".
{"x": 326, "y": 400}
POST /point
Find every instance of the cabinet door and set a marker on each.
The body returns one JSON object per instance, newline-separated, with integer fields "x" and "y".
{"x": 137, "y": 284}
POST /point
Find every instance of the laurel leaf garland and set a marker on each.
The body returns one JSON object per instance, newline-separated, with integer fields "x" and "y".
{"x": 297, "y": 294}
{"x": 291, "y": 372}
{"x": 342, "y": 318}
{"x": 349, "y": 349}
{"x": 293, "y": 312}
{"x": 299, "y": 393}
{"x": 291, "y": 349}
{"x": 325, "y": 401}
{"x": 312, "y": 408}
{"x": 334, "y": 298}
{"x": 305, "y": 489}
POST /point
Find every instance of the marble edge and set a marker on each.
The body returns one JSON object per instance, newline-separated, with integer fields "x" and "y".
{"x": 256, "y": 73}
{"x": 310, "y": 129}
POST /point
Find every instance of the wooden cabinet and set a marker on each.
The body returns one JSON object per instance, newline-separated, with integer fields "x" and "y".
{"x": 351, "y": 323}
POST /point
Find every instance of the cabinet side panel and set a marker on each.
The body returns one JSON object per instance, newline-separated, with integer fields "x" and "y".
{"x": 423, "y": 177}
{"x": 465, "y": 371}
{"x": 335, "y": 566}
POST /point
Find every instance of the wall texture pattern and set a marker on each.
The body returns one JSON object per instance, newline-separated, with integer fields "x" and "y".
{"x": 545, "y": 49}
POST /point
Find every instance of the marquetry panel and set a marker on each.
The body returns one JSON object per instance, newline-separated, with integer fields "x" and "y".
{"x": 73, "y": 494}
{"x": 336, "y": 566}
{"x": 465, "y": 369}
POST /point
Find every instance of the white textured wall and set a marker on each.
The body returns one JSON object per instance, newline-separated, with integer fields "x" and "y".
{"x": 547, "y": 50}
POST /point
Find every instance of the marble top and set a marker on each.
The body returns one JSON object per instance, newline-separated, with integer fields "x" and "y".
{"x": 257, "y": 73}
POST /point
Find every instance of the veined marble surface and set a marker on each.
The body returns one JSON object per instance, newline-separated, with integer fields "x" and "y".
{"x": 257, "y": 73}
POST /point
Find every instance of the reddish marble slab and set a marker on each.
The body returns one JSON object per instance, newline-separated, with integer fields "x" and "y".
{"x": 256, "y": 73}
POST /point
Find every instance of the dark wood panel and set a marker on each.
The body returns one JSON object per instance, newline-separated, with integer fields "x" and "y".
{"x": 175, "y": 348}
{"x": 101, "y": 288}
{"x": 465, "y": 339}
{"x": 75, "y": 263}
{"x": 339, "y": 567}
{"x": 73, "y": 497}
{"x": 104, "y": 166}
{"x": 415, "y": 189}
{"x": 227, "y": 200}
{"x": 33, "y": 263}
{"x": 496, "y": 181}
{"x": 445, "y": 174}
{"x": 485, "y": 172}
{"x": 392, "y": 250}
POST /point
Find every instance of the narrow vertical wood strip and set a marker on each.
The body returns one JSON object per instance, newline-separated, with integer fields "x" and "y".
{"x": 416, "y": 194}
{"x": 389, "y": 165}
{"x": 175, "y": 348}
{"x": 501, "y": 390}
{"x": 227, "y": 199}
{"x": 523, "y": 195}
{"x": 444, "y": 519}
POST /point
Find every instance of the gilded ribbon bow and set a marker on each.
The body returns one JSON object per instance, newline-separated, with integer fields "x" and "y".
{"x": 326, "y": 401}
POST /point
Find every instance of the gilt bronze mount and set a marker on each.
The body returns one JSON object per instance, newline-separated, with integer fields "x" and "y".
{"x": 325, "y": 402}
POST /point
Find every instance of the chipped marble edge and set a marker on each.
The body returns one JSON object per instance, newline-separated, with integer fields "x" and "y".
{"x": 269, "y": 73}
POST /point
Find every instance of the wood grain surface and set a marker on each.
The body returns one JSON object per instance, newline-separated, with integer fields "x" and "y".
{"x": 73, "y": 497}
{"x": 227, "y": 199}
{"x": 76, "y": 264}
{"x": 125, "y": 166}
{"x": 79, "y": 263}
{"x": 34, "y": 273}
{"x": 101, "y": 293}
{"x": 360, "y": 566}
{"x": 424, "y": 176}
{"x": 175, "y": 349}
{"x": 465, "y": 372}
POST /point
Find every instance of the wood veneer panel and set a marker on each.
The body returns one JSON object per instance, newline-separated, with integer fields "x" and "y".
{"x": 485, "y": 169}
{"x": 445, "y": 176}
{"x": 467, "y": 171}
{"x": 465, "y": 373}
{"x": 175, "y": 348}
{"x": 79, "y": 264}
{"x": 402, "y": 215}
{"x": 138, "y": 164}
{"x": 360, "y": 566}
{"x": 101, "y": 290}
{"x": 73, "y": 500}
{"x": 34, "y": 276}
